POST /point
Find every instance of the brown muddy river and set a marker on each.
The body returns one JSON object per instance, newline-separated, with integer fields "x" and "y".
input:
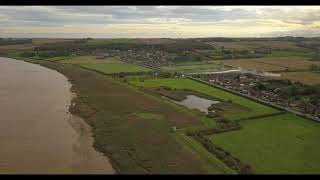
{"x": 37, "y": 133}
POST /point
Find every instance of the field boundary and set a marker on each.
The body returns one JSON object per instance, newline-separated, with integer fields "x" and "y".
{"x": 278, "y": 107}
{"x": 235, "y": 93}
{"x": 204, "y": 153}
{"x": 261, "y": 116}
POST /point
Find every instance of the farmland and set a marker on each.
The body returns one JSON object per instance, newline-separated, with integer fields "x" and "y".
{"x": 291, "y": 53}
{"x": 141, "y": 130}
{"x": 273, "y": 63}
{"x": 132, "y": 127}
{"x": 277, "y": 45}
{"x": 291, "y": 63}
{"x": 183, "y": 83}
{"x": 253, "y": 65}
{"x": 111, "y": 41}
{"x": 105, "y": 65}
{"x": 278, "y": 144}
{"x": 193, "y": 67}
{"x": 310, "y": 78}
{"x": 229, "y": 45}
{"x": 110, "y": 68}
{"x": 40, "y": 41}
{"x": 90, "y": 60}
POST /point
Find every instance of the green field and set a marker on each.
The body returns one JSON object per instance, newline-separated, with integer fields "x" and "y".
{"x": 194, "y": 67}
{"x": 191, "y": 67}
{"x": 58, "y": 58}
{"x": 279, "y": 144}
{"x": 256, "y": 109}
{"x": 133, "y": 128}
{"x": 111, "y": 41}
{"x": 150, "y": 116}
{"x": 111, "y": 68}
{"x": 200, "y": 150}
{"x": 282, "y": 53}
{"x": 190, "y": 63}
{"x": 90, "y": 60}
{"x": 108, "y": 65}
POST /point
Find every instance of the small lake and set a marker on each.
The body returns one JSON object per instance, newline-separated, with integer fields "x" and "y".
{"x": 196, "y": 102}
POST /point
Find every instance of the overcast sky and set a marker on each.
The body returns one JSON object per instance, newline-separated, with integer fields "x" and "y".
{"x": 159, "y": 21}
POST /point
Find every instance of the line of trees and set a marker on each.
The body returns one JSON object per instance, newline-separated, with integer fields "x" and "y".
{"x": 314, "y": 67}
{"x": 200, "y": 135}
{"x": 11, "y": 41}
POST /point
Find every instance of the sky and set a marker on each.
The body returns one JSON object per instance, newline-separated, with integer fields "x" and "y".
{"x": 158, "y": 21}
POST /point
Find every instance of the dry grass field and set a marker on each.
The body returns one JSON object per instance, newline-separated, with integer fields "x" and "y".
{"x": 274, "y": 45}
{"x": 45, "y": 41}
{"x": 257, "y": 44}
{"x": 17, "y": 47}
{"x": 229, "y": 45}
{"x": 272, "y": 63}
{"x": 90, "y": 60}
{"x": 157, "y": 41}
{"x": 251, "y": 64}
{"x": 308, "y": 78}
{"x": 292, "y": 63}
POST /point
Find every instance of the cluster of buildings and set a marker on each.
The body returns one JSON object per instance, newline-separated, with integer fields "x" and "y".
{"x": 246, "y": 84}
{"x": 148, "y": 57}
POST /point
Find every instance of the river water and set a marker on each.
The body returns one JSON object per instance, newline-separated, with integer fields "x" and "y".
{"x": 37, "y": 133}
{"x": 196, "y": 102}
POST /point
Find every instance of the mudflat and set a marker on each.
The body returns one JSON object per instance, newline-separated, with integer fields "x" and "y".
{"x": 37, "y": 132}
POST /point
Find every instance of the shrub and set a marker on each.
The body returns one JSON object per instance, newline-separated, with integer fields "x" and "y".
{"x": 27, "y": 54}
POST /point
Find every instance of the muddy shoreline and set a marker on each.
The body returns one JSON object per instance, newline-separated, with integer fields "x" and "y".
{"x": 55, "y": 141}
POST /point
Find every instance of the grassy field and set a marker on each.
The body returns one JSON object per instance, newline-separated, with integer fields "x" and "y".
{"x": 195, "y": 67}
{"x": 224, "y": 109}
{"x": 191, "y": 67}
{"x": 17, "y": 47}
{"x": 287, "y": 45}
{"x": 186, "y": 71}
{"x": 252, "y": 65}
{"x": 39, "y": 41}
{"x": 132, "y": 128}
{"x": 110, "y": 41}
{"x": 292, "y": 63}
{"x": 110, "y": 68}
{"x": 107, "y": 65}
{"x": 58, "y": 58}
{"x": 278, "y": 144}
{"x": 157, "y": 40}
{"x": 150, "y": 116}
{"x": 190, "y": 63}
{"x": 229, "y": 45}
{"x": 272, "y": 63}
{"x": 90, "y": 60}
{"x": 256, "y": 109}
{"x": 199, "y": 149}
{"x": 310, "y": 78}
{"x": 291, "y": 53}
{"x": 250, "y": 45}
{"x": 206, "y": 67}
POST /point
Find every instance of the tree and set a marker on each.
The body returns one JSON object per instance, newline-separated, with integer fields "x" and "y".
{"x": 314, "y": 67}
{"x": 27, "y": 54}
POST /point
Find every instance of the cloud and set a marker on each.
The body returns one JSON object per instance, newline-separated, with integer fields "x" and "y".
{"x": 144, "y": 20}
